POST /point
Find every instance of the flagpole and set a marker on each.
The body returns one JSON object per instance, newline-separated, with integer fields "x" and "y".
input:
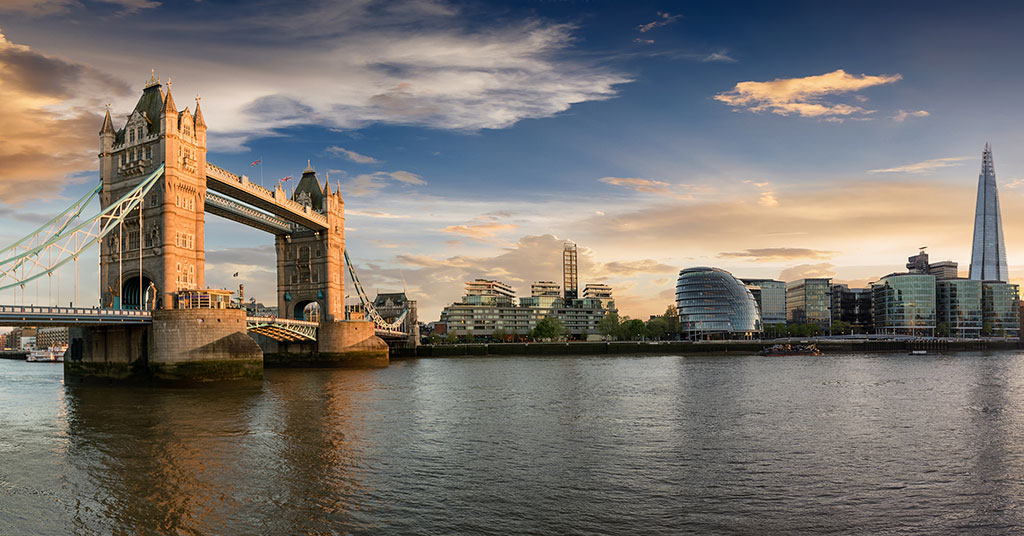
{"x": 261, "y": 172}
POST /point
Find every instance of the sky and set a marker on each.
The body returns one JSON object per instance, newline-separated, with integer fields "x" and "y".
{"x": 471, "y": 139}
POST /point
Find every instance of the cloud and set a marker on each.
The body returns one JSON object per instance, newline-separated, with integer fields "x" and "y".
{"x": 480, "y": 230}
{"x": 647, "y": 186}
{"x": 52, "y": 7}
{"x": 775, "y": 254}
{"x": 902, "y": 115}
{"x": 48, "y": 120}
{"x": 644, "y": 41}
{"x": 375, "y": 214}
{"x": 645, "y": 266}
{"x": 1013, "y": 185}
{"x": 721, "y": 56}
{"x": 767, "y": 197}
{"x": 803, "y": 271}
{"x": 925, "y": 166}
{"x": 663, "y": 19}
{"x": 371, "y": 183}
{"x": 803, "y": 96}
{"x": 352, "y": 155}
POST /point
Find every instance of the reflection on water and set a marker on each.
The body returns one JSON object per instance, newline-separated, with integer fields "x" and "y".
{"x": 655, "y": 445}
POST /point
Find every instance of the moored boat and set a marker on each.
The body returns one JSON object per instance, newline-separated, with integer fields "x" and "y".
{"x": 791, "y": 349}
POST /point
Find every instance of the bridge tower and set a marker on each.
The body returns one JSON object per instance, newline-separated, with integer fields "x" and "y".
{"x": 166, "y": 235}
{"x": 310, "y": 266}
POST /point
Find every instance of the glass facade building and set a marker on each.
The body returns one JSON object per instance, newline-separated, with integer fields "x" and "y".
{"x": 1000, "y": 306}
{"x": 770, "y": 296}
{"x": 904, "y": 304}
{"x": 853, "y": 306}
{"x": 809, "y": 301}
{"x": 714, "y": 304}
{"x": 988, "y": 253}
{"x": 958, "y": 307}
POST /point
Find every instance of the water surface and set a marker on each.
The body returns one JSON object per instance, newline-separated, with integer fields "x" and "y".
{"x": 845, "y": 444}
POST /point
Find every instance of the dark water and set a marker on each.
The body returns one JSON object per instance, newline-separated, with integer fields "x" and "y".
{"x": 656, "y": 445}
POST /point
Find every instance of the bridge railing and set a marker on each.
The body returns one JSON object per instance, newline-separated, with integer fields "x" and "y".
{"x": 281, "y": 321}
{"x": 72, "y": 311}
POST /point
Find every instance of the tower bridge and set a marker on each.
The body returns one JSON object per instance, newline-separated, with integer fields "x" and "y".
{"x": 156, "y": 187}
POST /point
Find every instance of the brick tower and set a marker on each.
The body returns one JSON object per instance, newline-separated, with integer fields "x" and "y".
{"x": 310, "y": 264}
{"x": 170, "y": 242}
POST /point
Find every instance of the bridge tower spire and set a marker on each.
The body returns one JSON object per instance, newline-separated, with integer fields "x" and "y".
{"x": 165, "y": 237}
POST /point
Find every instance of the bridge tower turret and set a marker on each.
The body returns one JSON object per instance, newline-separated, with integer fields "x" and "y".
{"x": 310, "y": 264}
{"x": 167, "y": 241}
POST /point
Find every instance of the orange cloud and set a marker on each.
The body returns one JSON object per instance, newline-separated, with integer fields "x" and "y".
{"x": 803, "y": 96}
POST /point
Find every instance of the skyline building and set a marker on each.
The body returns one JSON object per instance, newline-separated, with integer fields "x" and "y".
{"x": 988, "y": 252}
{"x": 809, "y": 301}
{"x": 713, "y": 304}
{"x": 770, "y": 296}
{"x": 570, "y": 272}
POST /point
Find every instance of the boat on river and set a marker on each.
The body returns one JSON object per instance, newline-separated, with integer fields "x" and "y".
{"x": 53, "y": 354}
{"x": 791, "y": 349}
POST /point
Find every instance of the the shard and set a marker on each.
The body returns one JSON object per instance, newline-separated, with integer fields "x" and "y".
{"x": 988, "y": 256}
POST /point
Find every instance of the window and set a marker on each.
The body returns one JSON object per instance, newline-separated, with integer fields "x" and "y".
{"x": 131, "y": 136}
{"x": 154, "y": 200}
{"x": 122, "y": 159}
{"x": 149, "y": 152}
{"x": 140, "y": 133}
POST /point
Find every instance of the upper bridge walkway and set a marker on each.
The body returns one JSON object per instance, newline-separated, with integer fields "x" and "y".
{"x": 275, "y": 202}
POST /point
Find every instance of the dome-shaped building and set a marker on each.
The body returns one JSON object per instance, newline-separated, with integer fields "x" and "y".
{"x": 714, "y": 304}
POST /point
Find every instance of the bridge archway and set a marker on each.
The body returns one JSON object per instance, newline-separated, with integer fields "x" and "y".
{"x": 308, "y": 310}
{"x": 130, "y": 298}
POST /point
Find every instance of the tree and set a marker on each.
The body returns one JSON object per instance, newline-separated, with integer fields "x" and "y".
{"x": 451, "y": 338}
{"x": 434, "y": 338}
{"x": 657, "y": 327}
{"x": 840, "y": 327}
{"x": 672, "y": 325}
{"x": 633, "y": 329}
{"x": 499, "y": 335}
{"x": 813, "y": 330}
{"x": 986, "y": 328}
{"x": 942, "y": 330}
{"x": 609, "y": 325}
{"x": 548, "y": 328}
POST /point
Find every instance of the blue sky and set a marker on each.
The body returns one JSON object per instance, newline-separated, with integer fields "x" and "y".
{"x": 471, "y": 138}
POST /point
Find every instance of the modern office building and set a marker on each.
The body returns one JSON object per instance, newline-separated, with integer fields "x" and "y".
{"x": 944, "y": 270}
{"x": 488, "y": 292}
{"x": 570, "y": 272}
{"x": 598, "y": 291}
{"x": 770, "y": 296}
{"x": 51, "y": 337}
{"x": 988, "y": 254}
{"x": 853, "y": 306}
{"x": 904, "y": 304}
{"x": 713, "y": 304}
{"x": 958, "y": 307}
{"x": 918, "y": 264}
{"x": 489, "y": 306}
{"x": 1000, "y": 305}
{"x": 809, "y": 301}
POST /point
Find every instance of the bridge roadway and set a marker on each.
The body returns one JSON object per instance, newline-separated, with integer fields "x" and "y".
{"x": 281, "y": 329}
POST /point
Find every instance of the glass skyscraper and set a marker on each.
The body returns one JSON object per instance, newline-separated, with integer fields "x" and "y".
{"x": 770, "y": 296}
{"x": 1000, "y": 304}
{"x": 809, "y": 301}
{"x": 988, "y": 255}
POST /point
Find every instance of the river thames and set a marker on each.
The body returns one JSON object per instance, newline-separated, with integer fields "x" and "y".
{"x": 841, "y": 444}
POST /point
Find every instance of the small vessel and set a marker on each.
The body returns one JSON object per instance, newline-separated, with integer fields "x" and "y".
{"x": 53, "y": 354}
{"x": 790, "y": 349}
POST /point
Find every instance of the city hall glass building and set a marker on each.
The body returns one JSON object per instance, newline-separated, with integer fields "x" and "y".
{"x": 713, "y": 304}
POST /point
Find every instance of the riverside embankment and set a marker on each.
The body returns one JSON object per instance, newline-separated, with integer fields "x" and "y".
{"x": 693, "y": 348}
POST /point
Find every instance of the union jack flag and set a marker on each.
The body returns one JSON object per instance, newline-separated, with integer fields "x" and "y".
{"x": 256, "y": 163}
{"x": 288, "y": 178}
